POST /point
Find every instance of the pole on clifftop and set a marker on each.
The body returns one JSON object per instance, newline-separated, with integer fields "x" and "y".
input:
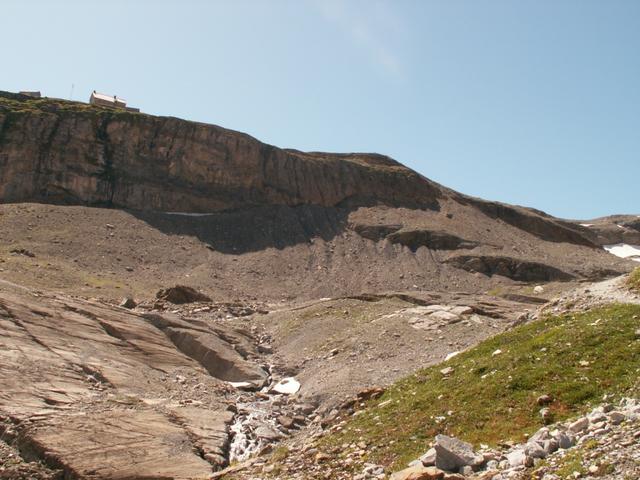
{"x": 71, "y": 94}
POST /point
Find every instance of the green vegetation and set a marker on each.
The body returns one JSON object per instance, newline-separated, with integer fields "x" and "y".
{"x": 570, "y": 463}
{"x": 491, "y": 396}
{"x": 634, "y": 280}
{"x": 574, "y": 461}
{"x": 15, "y": 105}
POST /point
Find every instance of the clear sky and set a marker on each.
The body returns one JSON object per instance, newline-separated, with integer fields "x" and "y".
{"x": 529, "y": 102}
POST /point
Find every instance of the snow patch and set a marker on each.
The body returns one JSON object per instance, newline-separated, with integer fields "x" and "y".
{"x": 624, "y": 250}
{"x": 451, "y": 355}
{"x": 242, "y": 385}
{"x": 287, "y": 386}
{"x": 586, "y": 224}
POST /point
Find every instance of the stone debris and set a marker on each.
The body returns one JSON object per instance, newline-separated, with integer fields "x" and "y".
{"x": 450, "y": 456}
{"x": 614, "y": 428}
{"x": 432, "y": 317}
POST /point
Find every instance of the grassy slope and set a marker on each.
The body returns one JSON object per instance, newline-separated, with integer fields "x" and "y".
{"x": 634, "y": 280}
{"x": 492, "y": 398}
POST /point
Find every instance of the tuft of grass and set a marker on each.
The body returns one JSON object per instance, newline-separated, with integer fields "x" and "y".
{"x": 571, "y": 463}
{"x": 491, "y": 397}
{"x": 634, "y": 280}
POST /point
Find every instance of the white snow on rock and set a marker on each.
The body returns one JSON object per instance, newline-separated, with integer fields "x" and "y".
{"x": 586, "y": 224}
{"x": 451, "y": 355}
{"x": 241, "y": 385}
{"x": 624, "y": 250}
{"x": 287, "y": 386}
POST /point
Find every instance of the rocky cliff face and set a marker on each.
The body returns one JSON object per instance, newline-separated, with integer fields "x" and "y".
{"x": 341, "y": 223}
{"x": 71, "y": 153}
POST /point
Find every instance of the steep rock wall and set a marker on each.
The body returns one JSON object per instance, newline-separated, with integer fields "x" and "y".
{"x": 72, "y": 153}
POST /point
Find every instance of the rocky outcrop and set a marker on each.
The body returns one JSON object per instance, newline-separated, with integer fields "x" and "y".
{"x": 102, "y": 392}
{"x": 513, "y": 268}
{"x": 182, "y": 294}
{"x": 225, "y": 211}
{"x": 412, "y": 237}
{"x": 70, "y": 153}
{"x": 532, "y": 221}
{"x": 434, "y": 240}
{"x": 374, "y": 232}
{"x": 612, "y": 230}
{"x": 218, "y": 357}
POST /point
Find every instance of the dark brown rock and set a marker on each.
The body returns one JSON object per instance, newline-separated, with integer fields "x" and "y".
{"x": 434, "y": 240}
{"x": 182, "y": 294}
{"x": 513, "y": 268}
{"x": 128, "y": 302}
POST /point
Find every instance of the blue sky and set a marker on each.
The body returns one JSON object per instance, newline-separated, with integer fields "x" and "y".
{"x": 529, "y": 102}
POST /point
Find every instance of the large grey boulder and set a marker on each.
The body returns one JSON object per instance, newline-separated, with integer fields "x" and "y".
{"x": 564, "y": 441}
{"x": 534, "y": 450}
{"x": 452, "y": 454}
{"x": 518, "y": 458}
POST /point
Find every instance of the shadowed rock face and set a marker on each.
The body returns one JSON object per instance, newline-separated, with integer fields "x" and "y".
{"x": 535, "y": 222}
{"x": 415, "y": 239}
{"x": 510, "y": 267}
{"x": 71, "y": 153}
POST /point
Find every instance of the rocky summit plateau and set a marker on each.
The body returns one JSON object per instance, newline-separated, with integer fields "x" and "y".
{"x": 182, "y": 301}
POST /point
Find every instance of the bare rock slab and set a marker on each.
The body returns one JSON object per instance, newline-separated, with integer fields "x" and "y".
{"x": 120, "y": 444}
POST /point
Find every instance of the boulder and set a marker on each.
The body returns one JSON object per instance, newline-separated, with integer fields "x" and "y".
{"x": 128, "y": 302}
{"x": 616, "y": 417}
{"x": 418, "y": 472}
{"x": 534, "y": 450}
{"x": 452, "y": 454}
{"x": 550, "y": 446}
{"x": 181, "y": 294}
{"x": 597, "y": 417}
{"x": 540, "y": 436}
{"x": 543, "y": 400}
{"x": 267, "y": 433}
{"x": 462, "y": 310}
{"x": 286, "y": 422}
{"x": 370, "y": 393}
{"x": 429, "y": 458}
{"x": 518, "y": 458}
{"x": 446, "y": 371}
{"x": 579, "y": 425}
{"x": 564, "y": 441}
